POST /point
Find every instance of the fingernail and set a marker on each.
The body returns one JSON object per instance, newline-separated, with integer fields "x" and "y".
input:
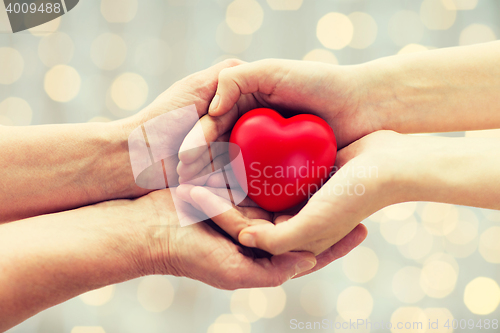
{"x": 215, "y": 103}
{"x": 304, "y": 266}
{"x": 247, "y": 239}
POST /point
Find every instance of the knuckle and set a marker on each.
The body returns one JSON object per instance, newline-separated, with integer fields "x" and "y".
{"x": 278, "y": 280}
{"x": 231, "y": 62}
{"x": 225, "y": 74}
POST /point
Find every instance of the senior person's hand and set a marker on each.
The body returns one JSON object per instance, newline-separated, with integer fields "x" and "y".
{"x": 51, "y": 258}
{"x": 49, "y": 168}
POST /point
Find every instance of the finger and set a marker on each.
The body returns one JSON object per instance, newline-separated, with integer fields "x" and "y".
{"x": 325, "y": 216}
{"x": 282, "y": 218}
{"x": 207, "y": 79}
{"x": 339, "y": 249}
{"x": 218, "y": 163}
{"x": 209, "y": 129}
{"x": 239, "y": 197}
{"x": 260, "y": 76}
{"x": 230, "y": 218}
{"x": 183, "y": 191}
{"x": 306, "y": 227}
{"x": 219, "y": 147}
{"x": 273, "y": 272}
{"x": 218, "y": 180}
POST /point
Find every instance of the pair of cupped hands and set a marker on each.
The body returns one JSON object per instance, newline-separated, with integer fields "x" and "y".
{"x": 246, "y": 246}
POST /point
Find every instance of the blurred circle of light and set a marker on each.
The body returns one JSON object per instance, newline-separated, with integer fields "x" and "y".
{"x": 155, "y": 293}
{"x": 441, "y": 315}
{"x": 228, "y": 323}
{"x": 129, "y": 91}
{"x": 62, "y": 83}
{"x": 444, "y": 257}
{"x": 108, "y": 51}
{"x": 339, "y": 321}
{"x": 240, "y": 305}
{"x": 365, "y": 30}
{"x": 491, "y": 214}
{"x": 401, "y": 211}
{"x": 231, "y": 42}
{"x": 482, "y": 295}
{"x": 316, "y": 298}
{"x": 489, "y": 245}
{"x": 98, "y": 297}
{"x": 460, "y": 4}
{"x": 16, "y": 110}
{"x": 88, "y": 329}
{"x": 361, "y": 265}
{"x": 335, "y": 31}
{"x": 56, "y": 48}
{"x": 355, "y": 303}
{"x": 476, "y": 33}
{"x": 435, "y": 16}
{"x": 465, "y": 227}
{"x": 438, "y": 218}
{"x": 419, "y": 246}
{"x": 460, "y": 250}
{"x": 244, "y": 17}
{"x": 405, "y": 27}
{"x": 409, "y": 315}
{"x": 412, "y": 48}
{"x": 285, "y": 4}
{"x": 99, "y": 119}
{"x": 267, "y": 302}
{"x": 11, "y": 65}
{"x": 223, "y": 57}
{"x": 6, "y": 121}
{"x": 4, "y": 22}
{"x": 398, "y": 232}
{"x": 46, "y": 28}
{"x": 179, "y": 3}
{"x": 118, "y": 11}
{"x": 439, "y": 275}
{"x": 377, "y": 216}
{"x": 321, "y": 55}
{"x": 153, "y": 56}
{"x": 406, "y": 285}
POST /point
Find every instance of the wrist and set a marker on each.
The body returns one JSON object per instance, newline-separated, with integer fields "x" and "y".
{"x": 376, "y": 83}
{"x": 425, "y": 168}
{"x": 115, "y": 163}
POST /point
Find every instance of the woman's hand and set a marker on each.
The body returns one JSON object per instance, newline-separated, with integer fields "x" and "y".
{"x": 291, "y": 87}
{"x": 371, "y": 175}
{"x": 381, "y": 169}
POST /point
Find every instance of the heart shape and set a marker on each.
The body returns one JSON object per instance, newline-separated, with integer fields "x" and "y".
{"x": 284, "y": 160}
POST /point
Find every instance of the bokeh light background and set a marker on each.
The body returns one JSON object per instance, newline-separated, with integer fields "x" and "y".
{"x": 106, "y": 59}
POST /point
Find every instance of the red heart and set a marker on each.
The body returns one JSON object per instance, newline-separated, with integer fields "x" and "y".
{"x": 285, "y": 160}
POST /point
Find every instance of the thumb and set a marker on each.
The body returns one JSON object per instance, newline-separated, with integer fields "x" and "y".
{"x": 282, "y": 237}
{"x": 260, "y": 76}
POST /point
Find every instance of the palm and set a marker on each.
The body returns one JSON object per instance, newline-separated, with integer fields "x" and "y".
{"x": 201, "y": 251}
